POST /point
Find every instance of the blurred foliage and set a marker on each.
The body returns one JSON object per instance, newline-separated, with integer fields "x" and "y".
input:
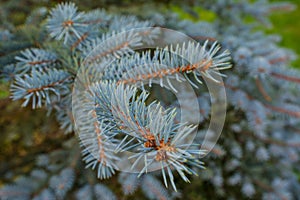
{"x": 288, "y": 26}
{"x": 283, "y": 24}
{"x": 24, "y": 133}
{"x": 17, "y": 10}
{"x": 16, "y": 123}
{"x": 195, "y": 14}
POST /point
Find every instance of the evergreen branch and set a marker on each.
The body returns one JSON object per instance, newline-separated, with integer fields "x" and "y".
{"x": 98, "y": 147}
{"x": 79, "y": 40}
{"x": 277, "y": 60}
{"x": 10, "y": 50}
{"x": 153, "y": 188}
{"x": 126, "y": 23}
{"x": 113, "y": 115}
{"x": 38, "y": 86}
{"x": 285, "y": 77}
{"x": 271, "y": 107}
{"x": 283, "y": 110}
{"x": 50, "y": 85}
{"x": 262, "y": 90}
{"x": 110, "y": 47}
{"x": 168, "y": 62}
{"x": 35, "y": 59}
{"x": 98, "y": 150}
{"x": 129, "y": 182}
{"x": 65, "y": 21}
{"x": 8, "y": 72}
{"x": 63, "y": 182}
{"x": 98, "y": 17}
{"x": 158, "y": 138}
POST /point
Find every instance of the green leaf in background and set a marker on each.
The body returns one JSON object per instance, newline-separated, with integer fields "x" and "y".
{"x": 194, "y": 14}
{"x": 4, "y": 90}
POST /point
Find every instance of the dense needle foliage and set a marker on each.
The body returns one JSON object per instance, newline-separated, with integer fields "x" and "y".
{"x": 125, "y": 106}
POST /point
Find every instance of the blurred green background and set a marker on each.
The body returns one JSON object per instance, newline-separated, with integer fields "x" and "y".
{"x": 288, "y": 26}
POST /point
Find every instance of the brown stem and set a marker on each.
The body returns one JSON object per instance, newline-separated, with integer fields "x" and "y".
{"x": 77, "y": 42}
{"x": 282, "y": 110}
{"x": 285, "y": 77}
{"x": 262, "y": 90}
{"x": 271, "y": 107}
{"x": 166, "y": 72}
{"x": 47, "y": 86}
